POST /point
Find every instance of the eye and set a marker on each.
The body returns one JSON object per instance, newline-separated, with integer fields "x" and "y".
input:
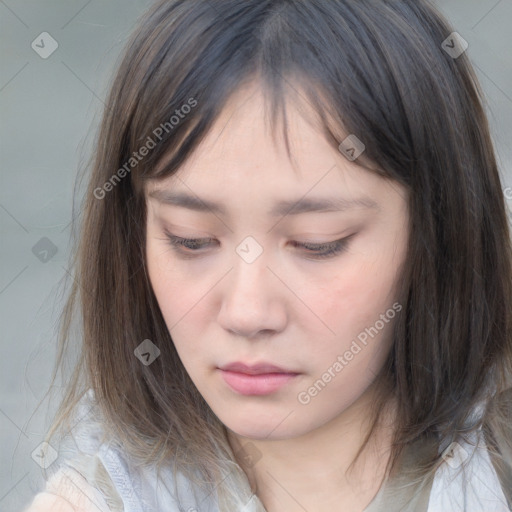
{"x": 188, "y": 246}
{"x": 326, "y": 250}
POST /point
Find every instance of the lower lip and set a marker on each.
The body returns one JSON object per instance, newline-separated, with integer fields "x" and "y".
{"x": 262, "y": 384}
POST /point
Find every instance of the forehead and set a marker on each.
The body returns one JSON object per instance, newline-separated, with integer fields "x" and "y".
{"x": 243, "y": 141}
{"x": 242, "y": 161}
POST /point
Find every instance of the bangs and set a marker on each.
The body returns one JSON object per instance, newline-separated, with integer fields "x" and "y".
{"x": 259, "y": 44}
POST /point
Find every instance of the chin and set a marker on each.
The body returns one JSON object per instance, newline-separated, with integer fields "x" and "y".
{"x": 269, "y": 430}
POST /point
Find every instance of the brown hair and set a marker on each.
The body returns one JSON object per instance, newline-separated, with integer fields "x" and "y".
{"x": 374, "y": 69}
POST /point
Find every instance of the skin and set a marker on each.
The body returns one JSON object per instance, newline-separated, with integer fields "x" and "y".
{"x": 286, "y": 307}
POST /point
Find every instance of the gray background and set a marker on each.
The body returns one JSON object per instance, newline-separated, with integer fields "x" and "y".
{"x": 49, "y": 111}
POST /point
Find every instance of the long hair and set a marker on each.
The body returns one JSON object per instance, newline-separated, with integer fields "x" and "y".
{"x": 378, "y": 70}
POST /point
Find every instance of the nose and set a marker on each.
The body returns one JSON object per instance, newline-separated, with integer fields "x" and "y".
{"x": 253, "y": 301}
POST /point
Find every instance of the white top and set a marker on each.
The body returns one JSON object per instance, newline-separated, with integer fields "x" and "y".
{"x": 96, "y": 477}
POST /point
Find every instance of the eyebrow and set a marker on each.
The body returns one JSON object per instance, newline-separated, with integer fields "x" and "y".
{"x": 281, "y": 208}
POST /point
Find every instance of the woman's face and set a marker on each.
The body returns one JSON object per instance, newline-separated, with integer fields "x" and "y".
{"x": 248, "y": 292}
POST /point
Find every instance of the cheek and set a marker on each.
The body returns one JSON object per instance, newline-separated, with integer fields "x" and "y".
{"x": 351, "y": 303}
{"x": 351, "y": 306}
{"x": 182, "y": 298}
{"x": 355, "y": 298}
{"x": 172, "y": 287}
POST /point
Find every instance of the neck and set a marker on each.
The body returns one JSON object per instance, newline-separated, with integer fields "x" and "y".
{"x": 316, "y": 470}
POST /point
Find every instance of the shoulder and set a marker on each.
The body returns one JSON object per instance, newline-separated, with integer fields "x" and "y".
{"x": 68, "y": 491}
{"x": 467, "y": 480}
{"x": 94, "y": 473}
{"x": 79, "y": 480}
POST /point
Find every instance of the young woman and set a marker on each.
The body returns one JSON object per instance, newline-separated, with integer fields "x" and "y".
{"x": 294, "y": 271}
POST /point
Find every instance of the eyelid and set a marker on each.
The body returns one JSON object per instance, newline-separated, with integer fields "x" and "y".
{"x": 197, "y": 239}
{"x": 315, "y": 250}
{"x": 318, "y": 244}
{"x": 191, "y": 240}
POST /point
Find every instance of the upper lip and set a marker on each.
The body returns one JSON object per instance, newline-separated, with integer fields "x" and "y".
{"x": 254, "y": 369}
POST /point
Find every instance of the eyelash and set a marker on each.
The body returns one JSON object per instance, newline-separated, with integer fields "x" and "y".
{"x": 327, "y": 250}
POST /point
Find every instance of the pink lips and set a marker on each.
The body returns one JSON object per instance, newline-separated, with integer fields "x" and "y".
{"x": 258, "y": 379}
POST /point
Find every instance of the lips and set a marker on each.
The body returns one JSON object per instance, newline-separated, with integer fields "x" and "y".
{"x": 255, "y": 369}
{"x": 256, "y": 379}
